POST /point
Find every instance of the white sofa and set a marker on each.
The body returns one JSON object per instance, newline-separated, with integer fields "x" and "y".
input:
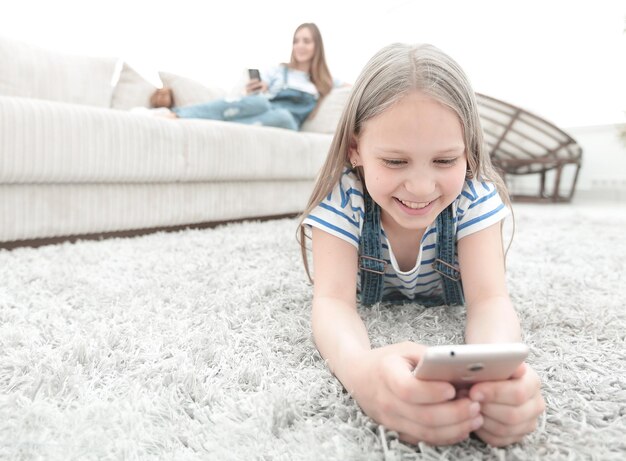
{"x": 74, "y": 161}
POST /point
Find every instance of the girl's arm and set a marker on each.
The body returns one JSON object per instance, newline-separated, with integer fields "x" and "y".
{"x": 510, "y": 408}
{"x": 491, "y": 317}
{"x": 380, "y": 379}
{"x": 339, "y": 332}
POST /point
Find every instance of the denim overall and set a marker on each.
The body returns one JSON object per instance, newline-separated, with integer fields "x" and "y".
{"x": 299, "y": 103}
{"x": 372, "y": 266}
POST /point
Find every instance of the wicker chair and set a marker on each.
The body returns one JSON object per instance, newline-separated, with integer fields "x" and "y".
{"x": 521, "y": 143}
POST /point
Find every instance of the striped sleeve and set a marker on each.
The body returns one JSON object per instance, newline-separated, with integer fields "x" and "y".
{"x": 478, "y": 207}
{"x": 341, "y": 212}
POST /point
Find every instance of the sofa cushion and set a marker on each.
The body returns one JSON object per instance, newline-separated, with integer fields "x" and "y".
{"x": 80, "y": 144}
{"x": 187, "y": 91}
{"x": 33, "y": 72}
{"x": 131, "y": 90}
{"x": 226, "y": 151}
{"x": 52, "y": 142}
{"x": 325, "y": 119}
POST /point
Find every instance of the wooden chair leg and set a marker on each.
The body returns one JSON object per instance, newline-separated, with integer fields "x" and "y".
{"x": 557, "y": 183}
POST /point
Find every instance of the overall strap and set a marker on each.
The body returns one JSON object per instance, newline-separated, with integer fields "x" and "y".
{"x": 445, "y": 263}
{"x": 372, "y": 266}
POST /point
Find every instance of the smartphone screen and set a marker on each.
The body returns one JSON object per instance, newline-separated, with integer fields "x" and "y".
{"x": 254, "y": 74}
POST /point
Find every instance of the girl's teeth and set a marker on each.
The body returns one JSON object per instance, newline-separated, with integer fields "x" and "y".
{"x": 414, "y": 205}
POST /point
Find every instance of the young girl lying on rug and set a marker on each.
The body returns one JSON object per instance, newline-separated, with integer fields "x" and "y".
{"x": 407, "y": 178}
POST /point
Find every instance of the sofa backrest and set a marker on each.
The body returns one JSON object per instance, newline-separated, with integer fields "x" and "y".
{"x": 327, "y": 115}
{"x": 32, "y": 72}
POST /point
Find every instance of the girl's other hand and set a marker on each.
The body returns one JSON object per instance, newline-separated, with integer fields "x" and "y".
{"x": 510, "y": 408}
{"x": 256, "y": 86}
{"x": 426, "y": 411}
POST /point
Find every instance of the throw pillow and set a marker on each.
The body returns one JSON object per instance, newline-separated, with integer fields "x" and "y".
{"x": 327, "y": 115}
{"x": 131, "y": 90}
{"x": 32, "y": 72}
{"x": 187, "y": 92}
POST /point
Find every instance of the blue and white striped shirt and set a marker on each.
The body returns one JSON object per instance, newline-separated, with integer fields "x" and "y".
{"x": 341, "y": 214}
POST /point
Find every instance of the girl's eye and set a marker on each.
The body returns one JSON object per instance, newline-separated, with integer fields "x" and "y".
{"x": 446, "y": 161}
{"x": 393, "y": 162}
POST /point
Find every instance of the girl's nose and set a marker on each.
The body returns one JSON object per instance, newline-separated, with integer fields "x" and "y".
{"x": 420, "y": 184}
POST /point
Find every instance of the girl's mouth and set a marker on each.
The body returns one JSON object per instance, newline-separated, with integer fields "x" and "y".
{"x": 415, "y": 208}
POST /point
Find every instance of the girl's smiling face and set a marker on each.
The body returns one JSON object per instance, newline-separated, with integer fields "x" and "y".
{"x": 413, "y": 159}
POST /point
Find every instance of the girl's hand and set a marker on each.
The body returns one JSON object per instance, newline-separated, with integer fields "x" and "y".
{"x": 256, "y": 86}
{"x": 385, "y": 388}
{"x": 510, "y": 408}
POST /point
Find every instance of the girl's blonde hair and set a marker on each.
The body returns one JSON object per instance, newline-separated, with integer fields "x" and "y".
{"x": 320, "y": 75}
{"x": 389, "y": 75}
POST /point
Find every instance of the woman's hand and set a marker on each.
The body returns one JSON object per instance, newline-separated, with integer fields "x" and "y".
{"x": 510, "y": 408}
{"x": 256, "y": 86}
{"x": 384, "y": 386}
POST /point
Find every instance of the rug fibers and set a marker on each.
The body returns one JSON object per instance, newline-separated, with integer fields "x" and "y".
{"x": 196, "y": 345}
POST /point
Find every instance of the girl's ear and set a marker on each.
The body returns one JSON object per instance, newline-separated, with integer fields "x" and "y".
{"x": 353, "y": 152}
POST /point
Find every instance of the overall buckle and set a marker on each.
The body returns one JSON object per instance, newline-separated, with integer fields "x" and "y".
{"x": 382, "y": 261}
{"x": 454, "y": 278}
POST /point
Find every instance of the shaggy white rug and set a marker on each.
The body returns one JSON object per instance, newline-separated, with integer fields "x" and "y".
{"x": 196, "y": 345}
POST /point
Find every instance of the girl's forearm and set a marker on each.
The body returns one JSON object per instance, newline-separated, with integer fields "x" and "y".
{"x": 340, "y": 337}
{"x": 492, "y": 320}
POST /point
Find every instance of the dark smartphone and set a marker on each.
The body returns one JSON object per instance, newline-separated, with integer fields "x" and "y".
{"x": 254, "y": 74}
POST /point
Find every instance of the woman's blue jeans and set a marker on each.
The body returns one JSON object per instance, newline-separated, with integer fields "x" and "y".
{"x": 250, "y": 110}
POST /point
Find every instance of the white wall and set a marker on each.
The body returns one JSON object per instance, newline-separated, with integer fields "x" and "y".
{"x": 603, "y": 172}
{"x": 561, "y": 59}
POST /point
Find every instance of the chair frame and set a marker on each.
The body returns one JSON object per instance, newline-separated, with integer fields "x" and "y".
{"x": 504, "y": 125}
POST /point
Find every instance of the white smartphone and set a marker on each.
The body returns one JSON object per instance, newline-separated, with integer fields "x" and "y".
{"x": 465, "y": 364}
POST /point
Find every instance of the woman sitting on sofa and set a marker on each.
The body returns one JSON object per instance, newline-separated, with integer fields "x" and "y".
{"x": 283, "y": 97}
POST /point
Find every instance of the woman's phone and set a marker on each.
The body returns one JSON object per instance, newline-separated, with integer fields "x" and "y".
{"x": 254, "y": 74}
{"x": 471, "y": 363}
